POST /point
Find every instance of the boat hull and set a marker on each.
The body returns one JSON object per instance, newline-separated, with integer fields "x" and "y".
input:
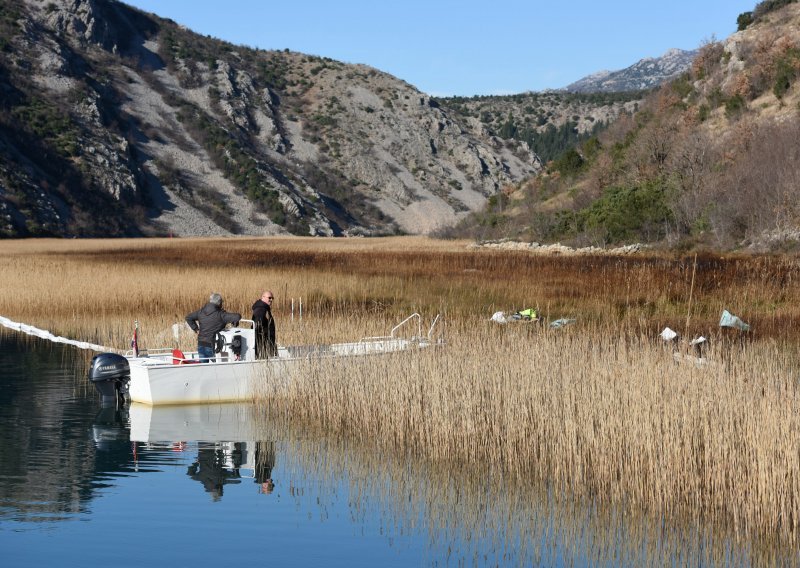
{"x": 203, "y": 383}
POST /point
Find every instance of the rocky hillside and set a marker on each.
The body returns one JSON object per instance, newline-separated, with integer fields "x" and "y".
{"x": 709, "y": 159}
{"x": 644, "y": 74}
{"x": 552, "y": 122}
{"x": 548, "y": 123}
{"x": 118, "y": 122}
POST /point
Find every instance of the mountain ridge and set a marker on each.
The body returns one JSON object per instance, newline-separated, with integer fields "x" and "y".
{"x": 645, "y": 74}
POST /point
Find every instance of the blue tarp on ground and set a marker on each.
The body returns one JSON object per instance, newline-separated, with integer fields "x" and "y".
{"x": 730, "y": 320}
{"x": 561, "y": 323}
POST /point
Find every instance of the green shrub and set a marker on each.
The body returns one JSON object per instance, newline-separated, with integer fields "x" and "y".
{"x": 626, "y": 213}
{"x": 324, "y": 120}
{"x": 497, "y": 202}
{"x": 508, "y": 129}
{"x": 734, "y": 105}
{"x": 716, "y": 98}
{"x": 492, "y": 220}
{"x": 569, "y": 163}
{"x": 785, "y": 72}
{"x": 50, "y": 124}
{"x": 763, "y": 8}
{"x": 552, "y": 142}
{"x": 744, "y": 20}
{"x": 682, "y": 86}
{"x": 591, "y": 148}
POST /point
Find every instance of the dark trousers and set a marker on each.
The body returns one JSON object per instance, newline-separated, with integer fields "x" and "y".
{"x": 205, "y": 353}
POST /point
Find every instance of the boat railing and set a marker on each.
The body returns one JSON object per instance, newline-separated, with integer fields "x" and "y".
{"x": 417, "y": 337}
{"x": 168, "y": 354}
{"x": 394, "y": 329}
{"x": 154, "y": 352}
{"x": 433, "y": 325}
{"x": 165, "y": 351}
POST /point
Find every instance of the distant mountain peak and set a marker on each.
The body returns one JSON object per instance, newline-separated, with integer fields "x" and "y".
{"x": 644, "y": 74}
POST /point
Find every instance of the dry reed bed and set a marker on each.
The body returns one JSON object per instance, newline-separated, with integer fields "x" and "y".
{"x": 586, "y": 411}
{"x": 596, "y": 409}
{"x": 94, "y": 290}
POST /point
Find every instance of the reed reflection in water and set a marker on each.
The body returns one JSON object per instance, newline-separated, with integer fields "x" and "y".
{"x": 477, "y": 516}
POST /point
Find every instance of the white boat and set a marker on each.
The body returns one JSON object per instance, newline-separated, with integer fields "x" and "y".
{"x": 168, "y": 376}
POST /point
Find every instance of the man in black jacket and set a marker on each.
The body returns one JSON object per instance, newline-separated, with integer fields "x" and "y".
{"x": 207, "y": 322}
{"x": 266, "y": 345}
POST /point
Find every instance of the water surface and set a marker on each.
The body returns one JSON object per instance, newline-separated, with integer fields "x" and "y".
{"x": 219, "y": 484}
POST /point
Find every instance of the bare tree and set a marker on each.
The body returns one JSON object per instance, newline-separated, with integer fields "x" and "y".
{"x": 757, "y": 194}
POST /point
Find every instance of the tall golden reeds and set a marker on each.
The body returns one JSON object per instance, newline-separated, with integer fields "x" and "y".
{"x": 598, "y": 409}
{"x": 95, "y": 289}
{"x": 585, "y": 410}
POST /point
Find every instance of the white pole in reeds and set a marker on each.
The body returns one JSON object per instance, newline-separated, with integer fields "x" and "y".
{"x": 301, "y": 307}
{"x": 691, "y": 290}
{"x": 292, "y": 309}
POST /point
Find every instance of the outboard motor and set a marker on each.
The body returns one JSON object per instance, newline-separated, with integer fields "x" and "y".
{"x": 111, "y": 375}
{"x": 236, "y": 346}
{"x": 237, "y": 343}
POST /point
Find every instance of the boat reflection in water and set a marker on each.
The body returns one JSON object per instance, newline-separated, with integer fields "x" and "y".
{"x": 229, "y": 445}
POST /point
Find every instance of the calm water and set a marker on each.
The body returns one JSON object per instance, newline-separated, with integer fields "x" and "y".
{"x": 221, "y": 484}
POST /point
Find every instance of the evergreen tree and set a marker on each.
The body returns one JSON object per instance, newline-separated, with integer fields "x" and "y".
{"x": 509, "y": 129}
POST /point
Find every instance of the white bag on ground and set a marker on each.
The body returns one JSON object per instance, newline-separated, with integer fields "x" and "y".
{"x": 499, "y": 317}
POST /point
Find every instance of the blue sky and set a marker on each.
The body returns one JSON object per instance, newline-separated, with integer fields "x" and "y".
{"x": 465, "y": 47}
